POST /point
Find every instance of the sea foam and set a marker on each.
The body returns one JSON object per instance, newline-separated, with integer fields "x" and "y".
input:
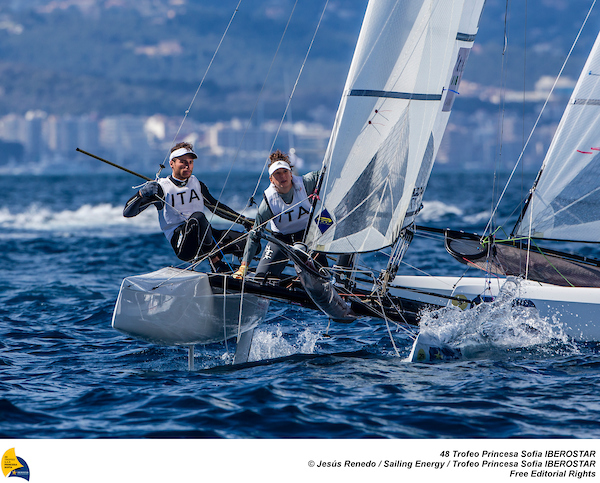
{"x": 501, "y": 325}
{"x": 103, "y": 219}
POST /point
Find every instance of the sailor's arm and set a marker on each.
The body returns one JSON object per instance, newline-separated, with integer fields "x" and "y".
{"x": 310, "y": 181}
{"x": 263, "y": 215}
{"x": 149, "y": 194}
{"x": 222, "y": 209}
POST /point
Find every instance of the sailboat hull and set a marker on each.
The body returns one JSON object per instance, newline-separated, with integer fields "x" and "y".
{"x": 430, "y": 349}
{"x": 508, "y": 259}
{"x": 319, "y": 288}
{"x": 575, "y": 309}
{"x": 179, "y": 307}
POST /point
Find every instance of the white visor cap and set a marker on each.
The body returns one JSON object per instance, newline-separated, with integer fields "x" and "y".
{"x": 181, "y": 152}
{"x": 278, "y": 165}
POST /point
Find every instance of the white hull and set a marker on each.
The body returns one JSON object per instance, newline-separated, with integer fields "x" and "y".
{"x": 179, "y": 307}
{"x": 429, "y": 349}
{"x": 577, "y": 309}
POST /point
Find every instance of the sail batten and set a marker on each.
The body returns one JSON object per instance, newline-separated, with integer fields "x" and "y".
{"x": 466, "y": 37}
{"x": 395, "y": 95}
{"x": 402, "y": 83}
{"x": 587, "y": 102}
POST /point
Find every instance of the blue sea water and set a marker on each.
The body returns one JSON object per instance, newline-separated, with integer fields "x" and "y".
{"x": 65, "y": 373}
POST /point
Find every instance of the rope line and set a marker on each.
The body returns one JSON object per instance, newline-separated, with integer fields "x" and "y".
{"x": 291, "y": 95}
{"x": 201, "y": 83}
{"x": 257, "y": 100}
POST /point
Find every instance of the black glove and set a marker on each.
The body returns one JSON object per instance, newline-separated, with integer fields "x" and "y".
{"x": 248, "y": 224}
{"x": 149, "y": 190}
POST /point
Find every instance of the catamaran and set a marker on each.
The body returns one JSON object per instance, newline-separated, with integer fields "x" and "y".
{"x": 403, "y": 80}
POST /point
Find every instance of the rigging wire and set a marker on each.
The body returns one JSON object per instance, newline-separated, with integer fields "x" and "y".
{"x": 187, "y": 111}
{"x": 502, "y": 109}
{"x": 249, "y": 120}
{"x": 252, "y": 116}
{"x": 261, "y": 91}
{"x": 523, "y": 131}
{"x": 292, "y": 94}
{"x": 258, "y": 98}
{"x": 377, "y": 292}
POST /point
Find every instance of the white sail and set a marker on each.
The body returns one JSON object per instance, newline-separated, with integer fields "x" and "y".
{"x": 467, "y": 31}
{"x": 391, "y": 119}
{"x": 565, "y": 204}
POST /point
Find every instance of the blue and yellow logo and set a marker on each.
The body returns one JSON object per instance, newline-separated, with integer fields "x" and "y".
{"x": 324, "y": 221}
{"x": 12, "y": 465}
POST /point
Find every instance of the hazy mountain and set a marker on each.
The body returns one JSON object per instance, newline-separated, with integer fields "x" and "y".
{"x": 149, "y": 56}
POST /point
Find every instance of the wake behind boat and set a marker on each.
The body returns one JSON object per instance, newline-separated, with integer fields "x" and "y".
{"x": 574, "y": 311}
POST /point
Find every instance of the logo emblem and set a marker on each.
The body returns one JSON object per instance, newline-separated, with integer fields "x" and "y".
{"x": 12, "y": 465}
{"x": 324, "y": 221}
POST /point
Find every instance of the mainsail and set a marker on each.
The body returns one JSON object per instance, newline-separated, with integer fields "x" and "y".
{"x": 565, "y": 202}
{"x": 401, "y": 86}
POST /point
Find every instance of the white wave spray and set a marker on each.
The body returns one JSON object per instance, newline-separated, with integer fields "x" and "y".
{"x": 102, "y": 219}
{"x": 268, "y": 344}
{"x": 503, "y": 325}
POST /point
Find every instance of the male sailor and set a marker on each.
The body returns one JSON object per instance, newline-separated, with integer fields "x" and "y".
{"x": 180, "y": 200}
{"x": 286, "y": 207}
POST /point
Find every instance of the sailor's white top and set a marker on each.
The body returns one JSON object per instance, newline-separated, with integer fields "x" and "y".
{"x": 289, "y": 218}
{"x": 181, "y": 202}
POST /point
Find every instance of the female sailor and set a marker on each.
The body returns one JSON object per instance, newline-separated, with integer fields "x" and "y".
{"x": 286, "y": 206}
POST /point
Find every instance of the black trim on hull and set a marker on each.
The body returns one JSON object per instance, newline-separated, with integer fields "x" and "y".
{"x": 293, "y": 292}
{"x": 509, "y": 258}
